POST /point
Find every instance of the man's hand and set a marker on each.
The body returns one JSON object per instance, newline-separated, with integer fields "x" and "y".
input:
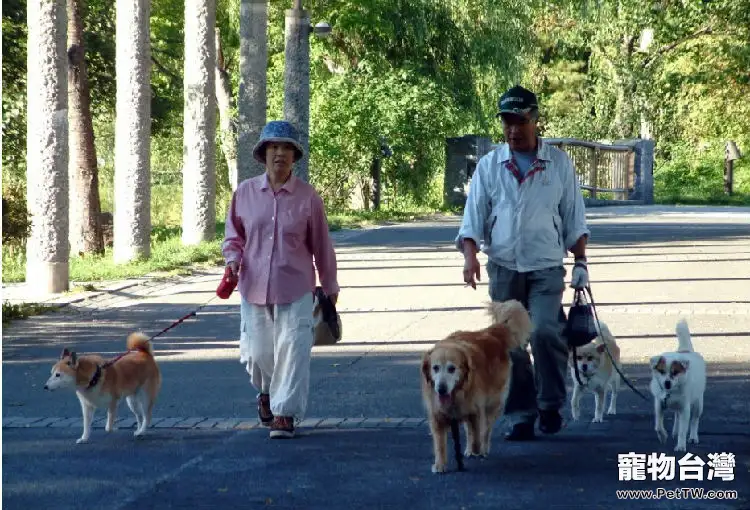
{"x": 234, "y": 268}
{"x": 471, "y": 270}
{"x": 580, "y": 276}
{"x": 471, "y": 263}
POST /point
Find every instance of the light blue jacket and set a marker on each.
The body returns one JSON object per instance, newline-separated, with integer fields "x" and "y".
{"x": 529, "y": 223}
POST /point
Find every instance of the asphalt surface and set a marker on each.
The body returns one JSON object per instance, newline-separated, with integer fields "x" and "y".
{"x": 364, "y": 443}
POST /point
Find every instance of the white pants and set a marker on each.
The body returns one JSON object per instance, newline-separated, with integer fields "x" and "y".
{"x": 276, "y": 347}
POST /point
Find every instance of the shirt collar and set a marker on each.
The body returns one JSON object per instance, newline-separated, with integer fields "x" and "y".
{"x": 542, "y": 151}
{"x": 288, "y": 186}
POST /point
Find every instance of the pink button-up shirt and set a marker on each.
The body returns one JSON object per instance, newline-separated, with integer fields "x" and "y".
{"x": 274, "y": 236}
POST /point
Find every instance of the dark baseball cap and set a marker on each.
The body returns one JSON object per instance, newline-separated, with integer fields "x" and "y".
{"x": 518, "y": 101}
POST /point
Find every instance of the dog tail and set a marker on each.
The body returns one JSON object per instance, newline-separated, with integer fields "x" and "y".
{"x": 139, "y": 342}
{"x": 512, "y": 315}
{"x": 685, "y": 343}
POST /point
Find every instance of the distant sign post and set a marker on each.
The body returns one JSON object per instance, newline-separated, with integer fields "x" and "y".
{"x": 731, "y": 154}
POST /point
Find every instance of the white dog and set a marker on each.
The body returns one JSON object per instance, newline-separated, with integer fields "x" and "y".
{"x": 678, "y": 381}
{"x": 597, "y": 373}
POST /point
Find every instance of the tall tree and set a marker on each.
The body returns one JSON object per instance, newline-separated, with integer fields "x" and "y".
{"x": 132, "y": 218}
{"x": 252, "y": 91}
{"x": 85, "y": 227}
{"x": 47, "y": 147}
{"x": 199, "y": 163}
{"x": 227, "y": 120}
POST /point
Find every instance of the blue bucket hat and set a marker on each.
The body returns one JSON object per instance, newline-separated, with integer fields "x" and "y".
{"x": 278, "y": 131}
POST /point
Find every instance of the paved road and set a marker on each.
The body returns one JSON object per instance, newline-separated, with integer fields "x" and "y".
{"x": 364, "y": 443}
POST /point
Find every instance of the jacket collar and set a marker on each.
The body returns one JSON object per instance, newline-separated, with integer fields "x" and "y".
{"x": 542, "y": 151}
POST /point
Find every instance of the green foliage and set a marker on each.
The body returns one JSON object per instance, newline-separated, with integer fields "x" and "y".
{"x": 16, "y": 219}
{"x": 23, "y": 310}
{"x": 417, "y": 71}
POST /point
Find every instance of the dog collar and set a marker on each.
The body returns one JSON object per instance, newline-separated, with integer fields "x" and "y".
{"x": 94, "y": 380}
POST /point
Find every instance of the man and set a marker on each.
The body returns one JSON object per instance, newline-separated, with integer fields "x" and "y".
{"x": 276, "y": 235}
{"x": 525, "y": 204}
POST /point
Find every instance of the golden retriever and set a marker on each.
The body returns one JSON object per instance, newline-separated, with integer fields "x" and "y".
{"x": 466, "y": 377}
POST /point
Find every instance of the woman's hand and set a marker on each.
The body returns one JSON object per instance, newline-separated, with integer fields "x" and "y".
{"x": 234, "y": 269}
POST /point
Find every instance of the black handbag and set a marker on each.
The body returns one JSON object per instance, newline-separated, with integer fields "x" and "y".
{"x": 580, "y": 327}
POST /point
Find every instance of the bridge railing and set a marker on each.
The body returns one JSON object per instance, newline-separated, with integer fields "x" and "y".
{"x": 601, "y": 168}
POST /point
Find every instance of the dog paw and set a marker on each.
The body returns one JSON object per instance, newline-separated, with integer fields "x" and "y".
{"x": 110, "y": 429}
{"x": 680, "y": 447}
{"x": 662, "y": 435}
{"x": 598, "y": 419}
{"x": 82, "y": 440}
{"x": 693, "y": 440}
{"x": 138, "y": 433}
{"x": 438, "y": 468}
{"x": 611, "y": 411}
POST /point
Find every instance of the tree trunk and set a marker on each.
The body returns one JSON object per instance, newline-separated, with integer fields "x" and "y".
{"x": 227, "y": 122}
{"x": 132, "y": 215}
{"x": 252, "y": 94}
{"x": 85, "y": 228}
{"x": 47, "y": 251}
{"x": 199, "y": 164}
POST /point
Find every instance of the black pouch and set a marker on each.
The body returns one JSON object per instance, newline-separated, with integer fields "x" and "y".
{"x": 580, "y": 328}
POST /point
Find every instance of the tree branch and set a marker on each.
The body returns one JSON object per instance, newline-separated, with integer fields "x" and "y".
{"x": 671, "y": 46}
{"x": 164, "y": 70}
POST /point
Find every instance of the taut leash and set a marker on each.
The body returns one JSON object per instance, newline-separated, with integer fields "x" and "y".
{"x": 606, "y": 347}
{"x": 173, "y": 325}
{"x": 181, "y": 319}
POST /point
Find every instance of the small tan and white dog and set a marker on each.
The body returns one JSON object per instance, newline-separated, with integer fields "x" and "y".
{"x": 678, "y": 381}
{"x": 99, "y": 384}
{"x": 597, "y": 373}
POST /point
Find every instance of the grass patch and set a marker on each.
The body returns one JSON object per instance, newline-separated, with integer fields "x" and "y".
{"x": 170, "y": 258}
{"x": 713, "y": 199}
{"x": 359, "y": 219}
{"x": 23, "y": 310}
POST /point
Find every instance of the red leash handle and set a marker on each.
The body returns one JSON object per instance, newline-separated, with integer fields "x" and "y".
{"x": 227, "y": 285}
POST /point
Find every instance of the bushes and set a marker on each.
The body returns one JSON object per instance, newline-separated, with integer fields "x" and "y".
{"x": 688, "y": 173}
{"x": 16, "y": 218}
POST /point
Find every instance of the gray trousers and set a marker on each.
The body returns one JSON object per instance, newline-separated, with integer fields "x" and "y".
{"x": 543, "y": 386}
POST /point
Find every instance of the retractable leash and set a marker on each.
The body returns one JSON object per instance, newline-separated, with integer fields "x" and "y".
{"x": 176, "y": 323}
{"x": 606, "y": 347}
{"x": 180, "y": 320}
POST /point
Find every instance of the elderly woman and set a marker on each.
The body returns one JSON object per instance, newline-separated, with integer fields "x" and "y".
{"x": 276, "y": 227}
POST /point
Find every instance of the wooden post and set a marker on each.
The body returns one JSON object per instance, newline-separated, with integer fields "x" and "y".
{"x": 728, "y": 176}
{"x": 593, "y": 180}
{"x": 375, "y": 174}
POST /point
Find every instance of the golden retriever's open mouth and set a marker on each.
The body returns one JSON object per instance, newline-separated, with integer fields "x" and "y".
{"x": 445, "y": 399}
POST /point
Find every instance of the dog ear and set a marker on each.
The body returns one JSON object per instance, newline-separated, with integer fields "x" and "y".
{"x": 679, "y": 367}
{"x": 64, "y": 353}
{"x": 658, "y": 363}
{"x": 73, "y": 359}
{"x": 467, "y": 371}
{"x": 600, "y": 348}
{"x": 426, "y": 366}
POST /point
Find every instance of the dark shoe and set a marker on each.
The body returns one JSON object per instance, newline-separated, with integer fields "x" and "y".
{"x": 523, "y": 431}
{"x": 264, "y": 409}
{"x": 550, "y": 421}
{"x": 282, "y": 427}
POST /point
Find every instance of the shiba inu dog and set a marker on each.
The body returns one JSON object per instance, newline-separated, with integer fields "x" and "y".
{"x": 99, "y": 384}
{"x": 597, "y": 373}
{"x": 678, "y": 381}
